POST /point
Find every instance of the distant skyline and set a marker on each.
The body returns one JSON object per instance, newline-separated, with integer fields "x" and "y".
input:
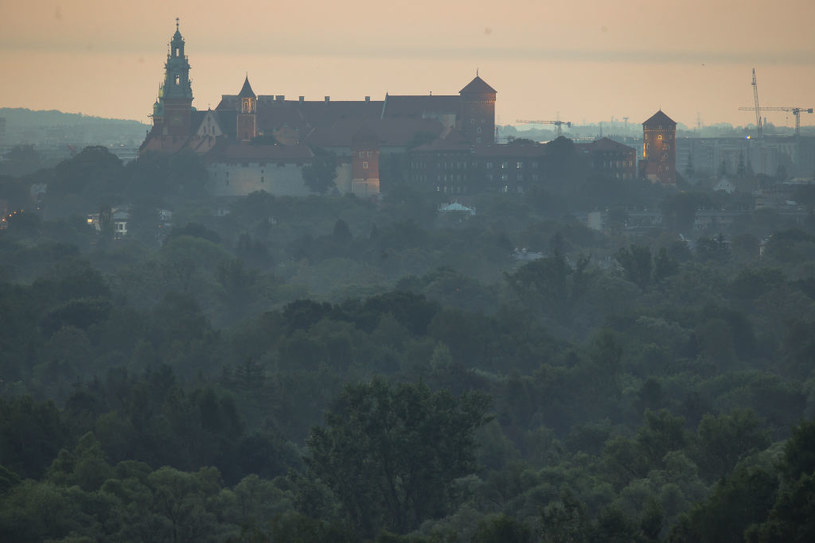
{"x": 581, "y": 61}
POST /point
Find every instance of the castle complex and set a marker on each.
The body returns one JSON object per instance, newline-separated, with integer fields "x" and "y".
{"x": 253, "y": 142}
{"x": 256, "y": 142}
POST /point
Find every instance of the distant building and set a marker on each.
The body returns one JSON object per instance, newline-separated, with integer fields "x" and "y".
{"x": 611, "y": 158}
{"x": 256, "y": 142}
{"x": 658, "y": 163}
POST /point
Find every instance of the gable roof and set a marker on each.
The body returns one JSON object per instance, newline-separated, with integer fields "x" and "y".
{"x": 478, "y": 86}
{"x": 659, "y": 119}
{"x": 246, "y": 90}
{"x": 605, "y": 145}
{"x": 419, "y": 106}
{"x": 387, "y": 132}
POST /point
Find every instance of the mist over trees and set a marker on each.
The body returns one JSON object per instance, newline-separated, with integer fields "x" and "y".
{"x": 338, "y": 369}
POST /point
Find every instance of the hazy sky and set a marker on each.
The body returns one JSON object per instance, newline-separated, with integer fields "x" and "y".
{"x": 584, "y": 60}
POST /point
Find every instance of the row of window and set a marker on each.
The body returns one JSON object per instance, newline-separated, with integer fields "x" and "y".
{"x": 462, "y": 165}
{"x": 618, "y": 164}
{"x": 463, "y": 178}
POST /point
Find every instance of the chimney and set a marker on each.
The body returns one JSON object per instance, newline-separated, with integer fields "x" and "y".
{"x": 367, "y": 98}
{"x": 280, "y": 98}
{"x": 302, "y": 99}
{"x": 327, "y": 99}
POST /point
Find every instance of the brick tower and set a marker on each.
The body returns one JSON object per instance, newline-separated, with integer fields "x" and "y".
{"x": 247, "y": 127}
{"x": 659, "y": 149}
{"x": 477, "y": 114}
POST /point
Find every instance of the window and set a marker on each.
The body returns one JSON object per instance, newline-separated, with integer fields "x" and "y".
{"x": 489, "y": 165}
{"x": 362, "y": 154}
{"x": 519, "y": 165}
{"x": 365, "y": 165}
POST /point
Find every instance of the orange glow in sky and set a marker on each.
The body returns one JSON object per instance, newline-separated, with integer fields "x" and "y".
{"x": 581, "y": 60}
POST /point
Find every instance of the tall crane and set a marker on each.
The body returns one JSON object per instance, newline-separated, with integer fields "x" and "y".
{"x": 557, "y": 123}
{"x": 758, "y": 109}
{"x": 796, "y": 111}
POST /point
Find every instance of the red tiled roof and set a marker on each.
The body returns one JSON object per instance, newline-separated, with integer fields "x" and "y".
{"x": 604, "y": 144}
{"x": 389, "y": 132}
{"x": 246, "y": 90}
{"x": 659, "y": 119}
{"x": 273, "y": 114}
{"x": 327, "y": 113}
{"x": 478, "y": 86}
{"x": 421, "y": 106}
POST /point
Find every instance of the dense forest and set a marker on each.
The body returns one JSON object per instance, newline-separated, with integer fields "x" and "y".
{"x": 334, "y": 369}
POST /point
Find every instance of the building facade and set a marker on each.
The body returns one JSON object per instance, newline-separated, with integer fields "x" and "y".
{"x": 658, "y": 163}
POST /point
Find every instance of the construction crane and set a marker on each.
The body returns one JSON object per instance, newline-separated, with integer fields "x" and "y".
{"x": 796, "y": 111}
{"x": 758, "y": 109}
{"x": 558, "y": 124}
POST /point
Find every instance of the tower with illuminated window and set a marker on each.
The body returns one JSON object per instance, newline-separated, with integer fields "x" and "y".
{"x": 659, "y": 149}
{"x": 247, "y": 127}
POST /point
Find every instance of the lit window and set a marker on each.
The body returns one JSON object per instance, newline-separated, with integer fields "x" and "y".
{"x": 365, "y": 165}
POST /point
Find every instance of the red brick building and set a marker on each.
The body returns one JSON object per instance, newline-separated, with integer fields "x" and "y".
{"x": 658, "y": 162}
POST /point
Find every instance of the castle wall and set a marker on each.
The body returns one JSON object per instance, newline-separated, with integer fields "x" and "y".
{"x": 227, "y": 179}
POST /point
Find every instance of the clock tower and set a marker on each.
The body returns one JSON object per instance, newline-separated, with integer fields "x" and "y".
{"x": 175, "y": 95}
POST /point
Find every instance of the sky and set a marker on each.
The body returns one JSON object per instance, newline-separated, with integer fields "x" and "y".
{"x": 583, "y": 61}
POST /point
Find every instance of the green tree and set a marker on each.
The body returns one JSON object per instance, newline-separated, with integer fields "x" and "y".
{"x": 390, "y": 453}
{"x": 502, "y": 529}
{"x": 637, "y": 264}
{"x": 319, "y": 176}
{"x": 724, "y": 439}
{"x": 565, "y": 520}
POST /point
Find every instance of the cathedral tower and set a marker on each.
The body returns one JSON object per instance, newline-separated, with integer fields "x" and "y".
{"x": 175, "y": 96}
{"x": 477, "y": 116}
{"x": 247, "y": 127}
